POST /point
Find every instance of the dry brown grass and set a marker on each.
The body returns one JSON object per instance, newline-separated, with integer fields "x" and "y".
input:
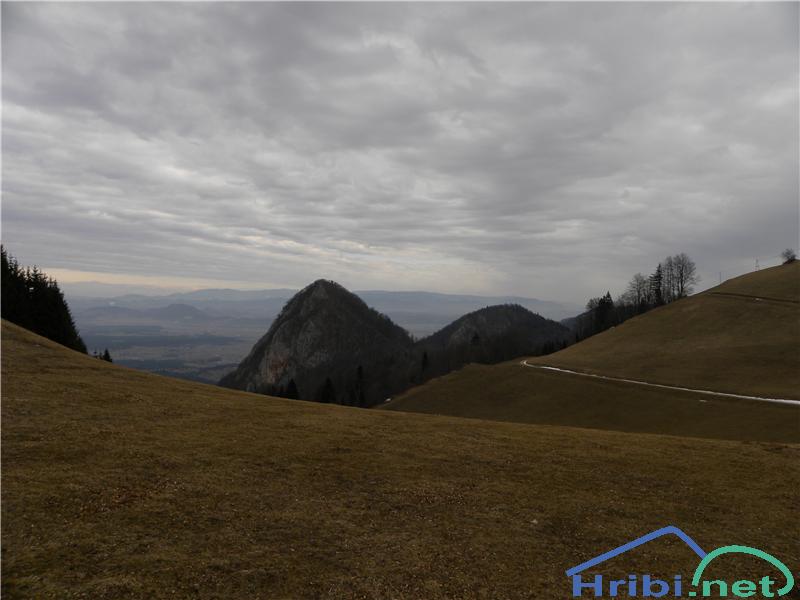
{"x": 510, "y": 392}
{"x": 122, "y": 484}
{"x": 717, "y": 340}
{"x": 782, "y": 282}
{"x": 720, "y": 340}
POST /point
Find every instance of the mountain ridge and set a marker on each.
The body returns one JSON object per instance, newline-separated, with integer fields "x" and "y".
{"x": 386, "y": 301}
{"x": 328, "y": 345}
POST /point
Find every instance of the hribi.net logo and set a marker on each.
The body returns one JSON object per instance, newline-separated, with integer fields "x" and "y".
{"x": 646, "y": 586}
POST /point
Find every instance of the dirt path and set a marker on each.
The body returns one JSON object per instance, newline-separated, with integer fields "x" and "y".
{"x": 525, "y": 363}
{"x": 757, "y": 298}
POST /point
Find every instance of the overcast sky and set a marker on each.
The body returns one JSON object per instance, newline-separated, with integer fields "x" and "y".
{"x": 547, "y": 150}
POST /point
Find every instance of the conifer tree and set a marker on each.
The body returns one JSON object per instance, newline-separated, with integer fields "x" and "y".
{"x": 656, "y": 283}
{"x": 327, "y": 394}
{"x": 34, "y": 301}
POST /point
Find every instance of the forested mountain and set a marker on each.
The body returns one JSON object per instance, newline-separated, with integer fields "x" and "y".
{"x": 34, "y": 301}
{"x": 490, "y": 335}
{"x": 327, "y": 345}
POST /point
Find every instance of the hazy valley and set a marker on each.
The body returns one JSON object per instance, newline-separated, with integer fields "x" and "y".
{"x": 203, "y": 335}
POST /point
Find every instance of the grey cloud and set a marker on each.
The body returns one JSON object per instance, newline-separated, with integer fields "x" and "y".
{"x": 544, "y": 149}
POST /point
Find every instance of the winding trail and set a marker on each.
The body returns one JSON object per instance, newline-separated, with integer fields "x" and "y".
{"x": 756, "y": 298}
{"x": 525, "y": 363}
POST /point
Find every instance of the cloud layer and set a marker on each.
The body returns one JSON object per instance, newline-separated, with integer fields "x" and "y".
{"x": 541, "y": 149}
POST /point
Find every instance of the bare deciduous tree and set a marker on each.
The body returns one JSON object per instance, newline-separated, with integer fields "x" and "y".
{"x": 788, "y": 256}
{"x": 669, "y": 280}
{"x": 637, "y": 291}
{"x": 684, "y": 274}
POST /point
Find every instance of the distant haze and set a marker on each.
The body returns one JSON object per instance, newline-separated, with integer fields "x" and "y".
{"x": 546, "y": 150}
{"x": 204, "y": 334}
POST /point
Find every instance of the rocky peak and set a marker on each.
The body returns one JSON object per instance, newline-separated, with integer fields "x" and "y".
{"x": 328, "y": 345}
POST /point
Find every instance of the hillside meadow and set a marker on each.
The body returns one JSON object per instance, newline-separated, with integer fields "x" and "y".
{"x": 122, "y": 484}
{"x": 511, "y": 392}
{"x": 742, "y": 337}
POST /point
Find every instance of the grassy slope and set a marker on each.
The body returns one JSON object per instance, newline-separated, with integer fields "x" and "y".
{"x": 782, "y": 282}
{"x": 509, "y": 392}
{"x": 122, "y": 484}
{"x": 710, "y": 341}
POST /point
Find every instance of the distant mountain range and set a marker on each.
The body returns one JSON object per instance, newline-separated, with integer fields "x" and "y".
{"x": 171, "y": 311}
{"x": 328, "y": 345}
{"x": 420, "y": 313}
{"x": 202, "y": 335}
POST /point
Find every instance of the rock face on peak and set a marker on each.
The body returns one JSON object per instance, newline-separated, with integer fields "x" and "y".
{"x": 327, "y": 345}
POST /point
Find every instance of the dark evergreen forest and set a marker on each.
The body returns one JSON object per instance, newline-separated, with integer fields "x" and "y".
{"x": 34, "y": 301}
